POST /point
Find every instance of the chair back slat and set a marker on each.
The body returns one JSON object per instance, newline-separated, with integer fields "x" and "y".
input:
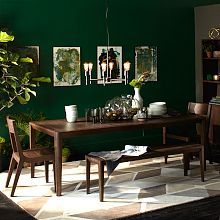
{"x": 203, "y": 109}
{"x": 214, "y": 120}
{"x": 14, "y": 138}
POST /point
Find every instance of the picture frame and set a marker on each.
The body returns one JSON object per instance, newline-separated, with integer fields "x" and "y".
{"x": 146, "y": 61}
{"x": 115, "y": 56}
{"x": 66, "y": 69}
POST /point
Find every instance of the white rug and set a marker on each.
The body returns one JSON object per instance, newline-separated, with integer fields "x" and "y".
{"x": 133, "y": 188}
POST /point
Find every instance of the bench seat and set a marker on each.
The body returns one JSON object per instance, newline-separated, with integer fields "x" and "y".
{"x": 156, "y": 152}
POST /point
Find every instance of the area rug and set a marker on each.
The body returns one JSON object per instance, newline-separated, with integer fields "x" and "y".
{"x": 134, "y": 190}
{"x": 11, "y": 211}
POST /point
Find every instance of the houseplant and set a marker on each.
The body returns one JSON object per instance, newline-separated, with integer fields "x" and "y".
{"x": 65, "y": 153}
{"x": 17, "y": 82}
{"x": 208, "y": 48}
{"x": 5, "y": 152}
{"x": 22, "y": 120}
{"x": 137, "y": 84}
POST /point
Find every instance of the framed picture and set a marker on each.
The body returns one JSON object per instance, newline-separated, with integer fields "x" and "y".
{"x": 66, "y": 66}
{"x": 115, "y": 56}
{"x": 33, "y": 53}
{"x": 146, "y": 61}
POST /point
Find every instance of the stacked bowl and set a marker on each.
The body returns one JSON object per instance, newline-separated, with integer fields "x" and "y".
{"x": 158, "y": 108}
{"x": 71, "y": 113}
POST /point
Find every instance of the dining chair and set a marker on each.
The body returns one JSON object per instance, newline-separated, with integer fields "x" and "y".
{"x": 20, "y": 156}
{"x": 214, "y": 134}
{"x": 184, "y": 133}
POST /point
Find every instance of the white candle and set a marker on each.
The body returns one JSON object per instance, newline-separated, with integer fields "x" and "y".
{"x": 86, "y": 67}
{"x": 90, "y": 66}
{"x": 127, "y": 66}
{"x": 215, "y": 77}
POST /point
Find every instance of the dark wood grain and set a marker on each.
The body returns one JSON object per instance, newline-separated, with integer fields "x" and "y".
{"x": 60, "y": 129}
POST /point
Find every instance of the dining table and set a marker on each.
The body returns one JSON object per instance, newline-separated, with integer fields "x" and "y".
{"x": 60, "y": 129}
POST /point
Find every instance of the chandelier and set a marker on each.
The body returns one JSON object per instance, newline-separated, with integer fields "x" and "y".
{"x": 108, "y": 64}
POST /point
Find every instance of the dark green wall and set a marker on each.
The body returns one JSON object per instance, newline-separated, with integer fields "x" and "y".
{"x": 166, "y": 24}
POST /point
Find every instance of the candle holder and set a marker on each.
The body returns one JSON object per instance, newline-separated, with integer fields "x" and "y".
{"x": 106, "y": 73}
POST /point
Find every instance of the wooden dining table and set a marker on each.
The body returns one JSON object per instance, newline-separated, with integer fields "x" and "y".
{"x": 60, "y": 129}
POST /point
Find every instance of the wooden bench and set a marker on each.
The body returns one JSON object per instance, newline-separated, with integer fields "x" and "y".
{"x": 156, "y": 152}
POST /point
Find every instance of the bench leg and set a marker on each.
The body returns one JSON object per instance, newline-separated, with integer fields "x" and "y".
{"x": 101, "y": 180}
{"x": 202, "y": 159}
{"x": 88, "y": 163}
{"x": 186, "y": 163}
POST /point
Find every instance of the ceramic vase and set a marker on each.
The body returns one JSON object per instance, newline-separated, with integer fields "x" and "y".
{"x": 137, "y": 101}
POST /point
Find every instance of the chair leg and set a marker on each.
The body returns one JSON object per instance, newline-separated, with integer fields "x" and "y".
{"x": 46, "y": 164}
{"x": 10, "y": 171}
{"x": 101, "y": 180}
{"x": 186, "y": 159}
{"x": 18, "y": 172}
{"x": 32, "y": 170}
{"x": 201, "y": 158}
{"x": 186, "y": 163}
{"x": 165, "y": 157}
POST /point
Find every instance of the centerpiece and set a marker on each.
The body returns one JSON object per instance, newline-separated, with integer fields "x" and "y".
{"x": 137, "y": 84}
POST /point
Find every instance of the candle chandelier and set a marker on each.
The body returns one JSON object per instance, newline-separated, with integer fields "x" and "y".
{"x": 108, "y": 64}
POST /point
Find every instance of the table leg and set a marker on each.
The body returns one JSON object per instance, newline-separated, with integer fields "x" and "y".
{"x": 58, "y": 162}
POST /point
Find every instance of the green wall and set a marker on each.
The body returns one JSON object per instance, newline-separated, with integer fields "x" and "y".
{"x": 167, "y": 24}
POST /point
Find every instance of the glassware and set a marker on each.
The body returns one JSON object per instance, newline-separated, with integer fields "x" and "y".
{"x": 119, "y": 108}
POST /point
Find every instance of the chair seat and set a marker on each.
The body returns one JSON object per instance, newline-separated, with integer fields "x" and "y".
{"x": 38, "y": 154}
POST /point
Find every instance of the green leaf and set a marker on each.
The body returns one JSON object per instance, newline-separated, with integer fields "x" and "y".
{"x": 31, "y": 91}
{"x": 27, "y": 96}
{"x": 21, "y": 100}
{"x": 4, "y": 37}
{"x": 42, "y": 79}
{"x": 26, "y": 60}
{"x": 2, "y": 51}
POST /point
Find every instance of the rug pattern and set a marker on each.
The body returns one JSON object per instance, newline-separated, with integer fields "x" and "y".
{"x": 133, "y": 188}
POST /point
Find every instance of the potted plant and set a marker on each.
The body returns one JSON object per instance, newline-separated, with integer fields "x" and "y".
{"x": 17, "y": 82}
{"x": 65, "y": 153}
{"x": 2, "y": 143}
{"x": 208, "y": 48}
{"x": 5, "y": 153}
{"x": 137, "y": 101}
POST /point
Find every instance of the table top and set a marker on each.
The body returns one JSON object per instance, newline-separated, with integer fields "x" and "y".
{"x": 65, "y": 128}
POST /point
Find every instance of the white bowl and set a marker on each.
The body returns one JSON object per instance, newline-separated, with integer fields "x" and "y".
{"x": 158, "y": 108}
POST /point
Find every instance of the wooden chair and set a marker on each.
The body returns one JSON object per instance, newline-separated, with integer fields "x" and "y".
{"x": 20, "y": 156}
{"x": 214, "y": 134}
{"x": 185, "y": 134}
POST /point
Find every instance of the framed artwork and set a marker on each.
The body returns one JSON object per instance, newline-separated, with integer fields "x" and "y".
{"x": 146, "y": 61}
{"x": 33, "y": 53}
{"x": 66, "y": 66}
{"x": 115, "y": 56}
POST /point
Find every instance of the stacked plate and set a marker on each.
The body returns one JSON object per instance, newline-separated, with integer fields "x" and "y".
{"x": 158, "y": 108}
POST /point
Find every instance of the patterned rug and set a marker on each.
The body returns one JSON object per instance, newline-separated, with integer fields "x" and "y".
{"x": 132, "y": 189}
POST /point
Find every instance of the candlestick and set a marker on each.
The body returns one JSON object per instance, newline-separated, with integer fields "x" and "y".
{"x": 127, "y": 66}
{"x": 86, "y": 67}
